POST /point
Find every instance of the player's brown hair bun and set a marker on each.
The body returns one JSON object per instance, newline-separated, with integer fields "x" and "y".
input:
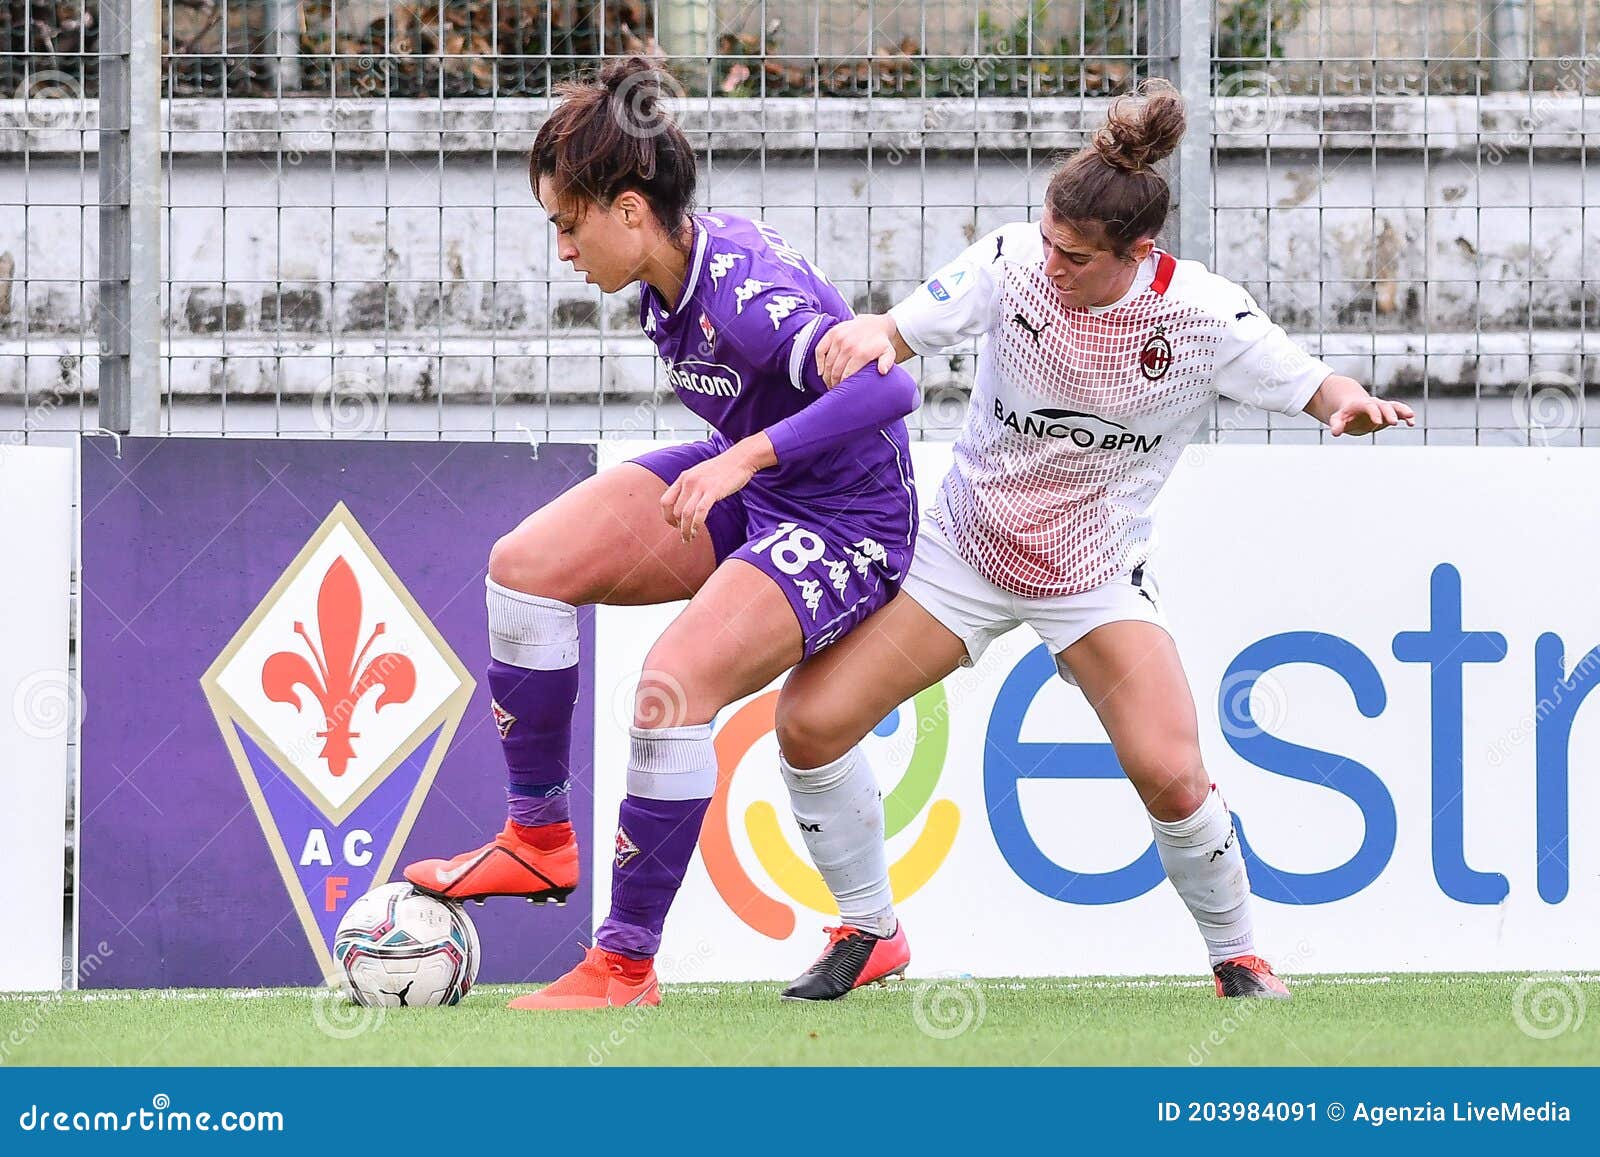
{"x": 1111, "y": 189}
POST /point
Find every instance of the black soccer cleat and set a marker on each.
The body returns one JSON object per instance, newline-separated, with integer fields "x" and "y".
{"x": 851, "y": 959}
{"x": 1248, "y": 976}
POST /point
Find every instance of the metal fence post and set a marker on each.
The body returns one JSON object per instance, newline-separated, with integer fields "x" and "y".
{"x": 1180, "y": 51}
{"x": 130, "y": 216}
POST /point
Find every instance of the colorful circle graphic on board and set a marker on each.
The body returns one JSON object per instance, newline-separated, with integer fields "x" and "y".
{"x": 929, "y": 723}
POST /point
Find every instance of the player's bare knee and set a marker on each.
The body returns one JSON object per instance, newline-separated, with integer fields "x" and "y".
{"x": 807, "y": 736}
{"x": 517, "y": 562}
{"x": 671, "y": 693}
{"x": 1172, "y": 788}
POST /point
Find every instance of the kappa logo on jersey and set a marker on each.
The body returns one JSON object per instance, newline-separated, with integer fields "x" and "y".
{"x": 1083, "y": 430}
{"x": 721, "y": 264}
{"x": 710, "y": 378}
{"x": 1035, "y": 332}
{"x": 743, "y": 293}
{"x": 337, "y": 699}
{"x": 706, "y": 328}
{"x": 1156, "y": 356}
{"x": 503, "y": 719}
{"x": 781, "y": 306}
{"x": 626, "y": 848}
{"x": 650, "y": 321}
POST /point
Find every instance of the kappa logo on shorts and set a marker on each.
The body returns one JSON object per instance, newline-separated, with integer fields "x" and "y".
{"x": 811, "y": 592}
{"x": 838, "y": 573}
{"x": 626, "y": 848}
{"x": 503, "y": 719}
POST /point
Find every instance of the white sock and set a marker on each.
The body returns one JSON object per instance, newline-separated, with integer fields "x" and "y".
{"x": 1206, "y": 865}
{"x": 531, "y": 632}
{"x": 840, "y": 813}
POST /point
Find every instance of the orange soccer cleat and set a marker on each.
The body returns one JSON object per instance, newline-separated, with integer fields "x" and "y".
{"x": 1248, "y": 976}
{"x": 507, "y": 866}
{"x": 602, "y": 980}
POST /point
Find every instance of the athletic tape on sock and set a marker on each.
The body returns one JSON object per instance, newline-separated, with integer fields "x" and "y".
{"x": 672, "y": 762}
{"x": 528, "y": 631}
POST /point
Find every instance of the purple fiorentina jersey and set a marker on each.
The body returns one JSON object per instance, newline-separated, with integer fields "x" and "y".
{"x": 739, "y": 353}
{"x": 835, "y": 529}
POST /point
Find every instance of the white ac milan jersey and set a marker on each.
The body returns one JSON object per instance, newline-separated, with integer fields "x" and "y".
{"x": 1079, "y": 415}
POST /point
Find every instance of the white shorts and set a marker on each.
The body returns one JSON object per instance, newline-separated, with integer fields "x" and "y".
{"x": 977, "y": 612}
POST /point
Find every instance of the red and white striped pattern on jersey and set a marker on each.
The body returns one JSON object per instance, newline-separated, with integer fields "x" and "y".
{"x": 1077, "y": 419}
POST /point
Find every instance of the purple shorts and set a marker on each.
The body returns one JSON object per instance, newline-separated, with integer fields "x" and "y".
{"x": 834, "y": 569}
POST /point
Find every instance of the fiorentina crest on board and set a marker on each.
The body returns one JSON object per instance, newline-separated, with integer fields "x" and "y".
{"x": 337, "y": 699}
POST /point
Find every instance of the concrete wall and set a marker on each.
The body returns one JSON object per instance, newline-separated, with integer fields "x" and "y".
{"x": 1414, "y": 242}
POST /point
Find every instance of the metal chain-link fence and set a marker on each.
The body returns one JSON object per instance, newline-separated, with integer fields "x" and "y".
{"x": 345, "y": 242}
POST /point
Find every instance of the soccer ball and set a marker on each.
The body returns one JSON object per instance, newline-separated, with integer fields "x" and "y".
{"x": 397, "y": 947}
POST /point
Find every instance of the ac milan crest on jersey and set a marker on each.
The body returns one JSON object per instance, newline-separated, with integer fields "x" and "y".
{"x": 626, "y": 848}
{"x": 1156, "y": 356}
{"x": 503, "y": 719}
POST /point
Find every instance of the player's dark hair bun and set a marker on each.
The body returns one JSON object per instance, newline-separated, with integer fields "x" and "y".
{"x": 615, "y": 132}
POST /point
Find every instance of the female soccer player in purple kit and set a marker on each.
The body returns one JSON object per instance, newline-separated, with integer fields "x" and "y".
{"x": 787, "y": 527}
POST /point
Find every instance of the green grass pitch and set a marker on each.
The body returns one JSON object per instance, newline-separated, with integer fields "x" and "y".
{"x": 1424, "y": 1019}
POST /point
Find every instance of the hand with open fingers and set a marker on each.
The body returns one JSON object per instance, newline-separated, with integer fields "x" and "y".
{"x": 688, "y": 501}
{"x": 1369, "y": 415}
{"x": 854, "y": 343}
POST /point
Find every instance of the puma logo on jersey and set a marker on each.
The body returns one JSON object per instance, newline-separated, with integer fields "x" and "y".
{"x": 1083, "y": 430}
{"x": 999, "y": 244}
{"x": 1035, "y": 332}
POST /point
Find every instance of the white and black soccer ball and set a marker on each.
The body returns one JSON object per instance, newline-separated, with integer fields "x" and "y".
{"x": 397, "y": 946}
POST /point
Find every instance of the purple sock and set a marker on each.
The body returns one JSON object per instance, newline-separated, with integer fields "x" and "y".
{"x": 533, "y": 710}
{"x": 533, "y": 678}
{"x": 672, "y": 773}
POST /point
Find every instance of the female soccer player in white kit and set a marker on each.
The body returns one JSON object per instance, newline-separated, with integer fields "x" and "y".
{"x": 1101, "y": 355}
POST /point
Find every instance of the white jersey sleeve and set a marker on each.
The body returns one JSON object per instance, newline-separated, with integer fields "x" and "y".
{"x": 956, "y": 304}
{"x": 1258, "y": 364}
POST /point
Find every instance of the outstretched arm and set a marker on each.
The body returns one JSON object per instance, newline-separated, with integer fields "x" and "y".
{"x": 1344, "y": 406}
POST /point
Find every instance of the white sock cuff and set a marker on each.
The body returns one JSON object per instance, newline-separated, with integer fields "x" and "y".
{"x": 672, "y": 763}
{"x": 813, "y": 780}
{"x": 528, "y": 631}
{"x": 1201, "y": 827}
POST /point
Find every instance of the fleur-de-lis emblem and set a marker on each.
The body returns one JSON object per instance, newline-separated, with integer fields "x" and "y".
{"x": 341, "y": 677}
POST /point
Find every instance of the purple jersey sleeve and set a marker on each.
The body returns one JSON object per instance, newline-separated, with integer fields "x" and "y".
{"x": 866, "y": 400}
